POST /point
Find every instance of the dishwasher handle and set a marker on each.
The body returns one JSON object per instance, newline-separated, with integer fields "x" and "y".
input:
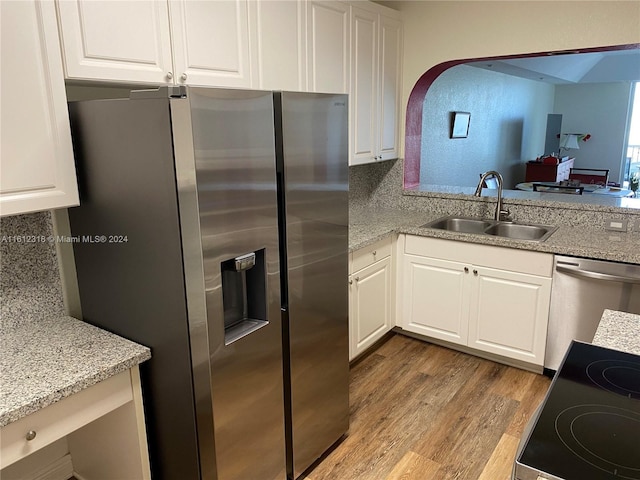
{"x": 607, "y": 277}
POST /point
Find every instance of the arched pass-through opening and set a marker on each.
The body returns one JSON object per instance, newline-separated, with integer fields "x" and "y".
{"x": 415, "y": 104}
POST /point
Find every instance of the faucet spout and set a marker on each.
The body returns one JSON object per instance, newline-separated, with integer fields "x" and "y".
{"x": 501, "y": 213}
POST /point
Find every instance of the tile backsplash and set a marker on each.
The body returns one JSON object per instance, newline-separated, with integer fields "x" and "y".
{"x": 379, "y": 185}
{"x": 30, "y": 284}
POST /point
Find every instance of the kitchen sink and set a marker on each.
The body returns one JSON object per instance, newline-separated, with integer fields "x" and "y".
{"x": 460, "y": 224}
{"x": 519, "y": 231}
{"x": 516, "y": 231}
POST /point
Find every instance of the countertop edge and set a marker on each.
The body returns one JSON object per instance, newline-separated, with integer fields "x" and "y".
{"x": 617, "y": 330}
{"x": 129, "y": 354}
{"x": 559, "y": 243}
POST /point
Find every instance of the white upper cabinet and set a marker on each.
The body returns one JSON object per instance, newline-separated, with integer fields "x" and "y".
{"x": 154, "y": 42}
{"x": 281, "y": 45}
{"x": 389, "y": 86}
{"x": 127, "y": 41}
{"x": 376, "y": 48}
{"x": 328, "y": 46}
{"x": 297, "y": 45}
{"x": 364, "y": 86}
{"x": 211, "y": 42}
{"x": 38, "y": 171}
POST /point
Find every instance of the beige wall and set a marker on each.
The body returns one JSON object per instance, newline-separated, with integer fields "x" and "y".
{"x": 436, "y": 31}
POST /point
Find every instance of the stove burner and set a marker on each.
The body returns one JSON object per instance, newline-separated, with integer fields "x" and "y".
{"x": 617, "y": 376}
{"x": 603, "y": 436}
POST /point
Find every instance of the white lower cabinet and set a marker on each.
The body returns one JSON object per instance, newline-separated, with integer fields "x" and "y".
{"x": 490, "y": 299}
{"x": 97, "y": 433}
{"x": 509, "y": 312}
{"x": 370, "y": 296}
{"x": 436, "y": 296}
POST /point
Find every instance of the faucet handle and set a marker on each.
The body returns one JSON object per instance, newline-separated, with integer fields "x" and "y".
{"x": 505, "y": 215}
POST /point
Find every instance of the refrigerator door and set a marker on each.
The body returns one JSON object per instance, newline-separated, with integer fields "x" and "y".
{"x": 125, "y": 158}
{"x": 313, "y": 162}
{"x": 235, "y": 189}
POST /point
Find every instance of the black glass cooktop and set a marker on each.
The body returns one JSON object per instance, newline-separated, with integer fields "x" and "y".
{"x": 589, "y": 425}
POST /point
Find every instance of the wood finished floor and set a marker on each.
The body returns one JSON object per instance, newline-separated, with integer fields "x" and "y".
{"x": 424, "y": 412}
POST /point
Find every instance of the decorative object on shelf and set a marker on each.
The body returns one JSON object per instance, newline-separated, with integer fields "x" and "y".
{"x": 570, "y": 140}
{"x": 460, "y": 124}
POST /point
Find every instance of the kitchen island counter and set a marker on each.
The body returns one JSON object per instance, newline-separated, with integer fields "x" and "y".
{"x": 618, "y": 330}
{"x": 367, "y": 225}
{"x": 47, "y": 360}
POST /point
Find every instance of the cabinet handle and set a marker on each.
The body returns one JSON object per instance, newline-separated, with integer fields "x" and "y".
{"x": 374, "y": 253}
{"x": 475, "y": 272}
{"x": 357, "y": 279}
{"x": 183, "y": 77}
{"x": 169, "y": 75}
{"x": 466, "y": 269}
{"x": 350, "y": 282}
{"x": 31, "y": 434}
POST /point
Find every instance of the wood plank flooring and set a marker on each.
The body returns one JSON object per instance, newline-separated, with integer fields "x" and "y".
{"x": 424, "y": 412}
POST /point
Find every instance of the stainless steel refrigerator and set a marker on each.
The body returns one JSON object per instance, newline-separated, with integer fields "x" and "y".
{"x": 213, "y": 227}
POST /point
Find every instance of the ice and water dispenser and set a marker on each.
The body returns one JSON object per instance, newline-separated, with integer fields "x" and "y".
{"x": 244, "y": 295}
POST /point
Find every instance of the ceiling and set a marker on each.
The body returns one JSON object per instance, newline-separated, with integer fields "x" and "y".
{"x": 591, "y": 67}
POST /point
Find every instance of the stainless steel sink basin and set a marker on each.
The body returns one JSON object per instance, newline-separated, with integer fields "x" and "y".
{"x": 460, "y": 224}
{"x": 516, "y": 231}
{"x": 520, "y": 232}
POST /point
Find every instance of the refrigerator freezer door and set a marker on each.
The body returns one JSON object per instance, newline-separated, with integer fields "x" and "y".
{"x": 314, "y": 165}
{"x": 135, "y": 289}
{"x": 235, "y": 184}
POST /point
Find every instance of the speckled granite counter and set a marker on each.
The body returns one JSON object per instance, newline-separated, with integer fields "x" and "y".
{"x": 619, "y": 331}
{"x": 366, "y": 225}
{"x": 45, "y": 361}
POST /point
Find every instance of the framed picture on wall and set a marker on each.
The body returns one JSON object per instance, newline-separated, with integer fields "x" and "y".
{"x": 460, "y": 124}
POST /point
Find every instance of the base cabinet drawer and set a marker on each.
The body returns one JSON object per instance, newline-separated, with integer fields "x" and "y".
{"x": 45, "y": 426}
{"x": 365, "y": 256}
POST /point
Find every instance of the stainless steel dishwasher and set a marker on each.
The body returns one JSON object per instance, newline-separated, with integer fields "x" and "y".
{"x": 582, "y": 290}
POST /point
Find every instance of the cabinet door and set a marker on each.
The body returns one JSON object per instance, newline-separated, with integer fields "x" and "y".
{"x": 390, "y": 68}
{"x": 364, "y": 88}
{"x": 281, "y": 45}
{"x": 370, "y": 298}
{"x": 211, "y": 42}
{"x": 509, "y": 313}
{"x": 328, "y": 46}
{"x": 38, "y": 171}
{"x": 435, "y": 298}
{"x": 125, "y": 41}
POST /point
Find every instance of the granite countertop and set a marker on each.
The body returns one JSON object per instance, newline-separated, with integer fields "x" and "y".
{"x": 619, "y": 331}
{"x": 44, "y": 361}
{"x": 367, "y": 225}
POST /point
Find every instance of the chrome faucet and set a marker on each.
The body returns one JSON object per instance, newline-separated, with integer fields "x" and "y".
{"x": 502, "y": 214}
